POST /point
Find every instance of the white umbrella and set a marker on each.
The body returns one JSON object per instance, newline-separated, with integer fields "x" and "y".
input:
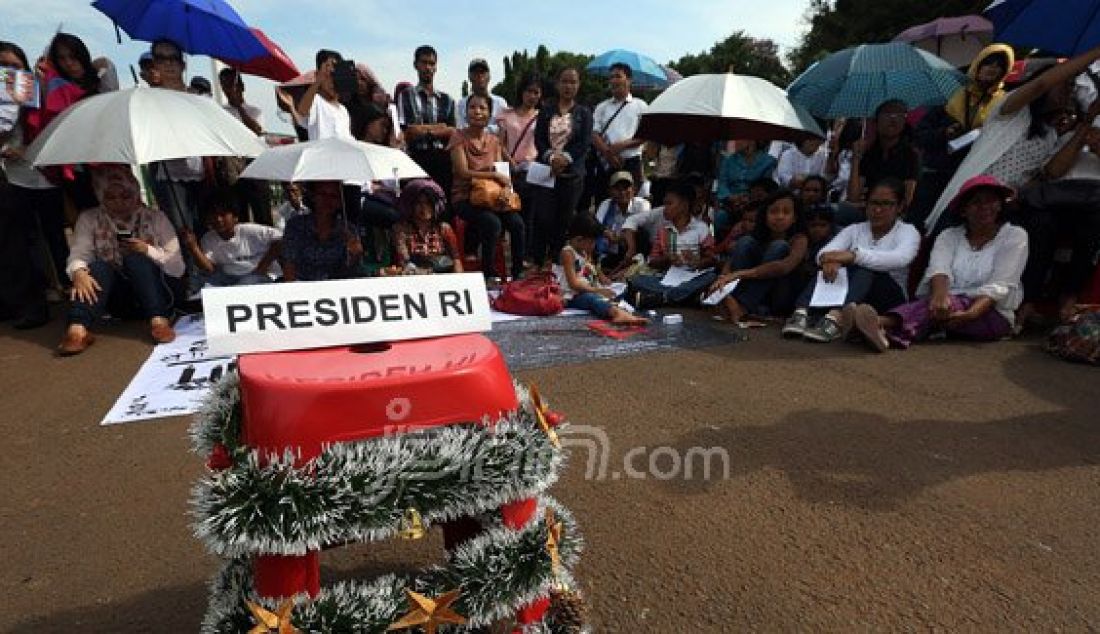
{"x": 141, "y": 125}
{"x": 333, "y": 159}
{"x": 725, "y": 106}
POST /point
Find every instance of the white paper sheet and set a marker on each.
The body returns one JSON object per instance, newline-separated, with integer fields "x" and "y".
{"x": 720, "y": 294}
{"x": 830, "y": 294}
{"x": 540, "y": 174}
{"x": 677, "y": 275}
{"x": 619, "y": 288}
{"x": 175, "y": 378}
{"x": 502, "y": 167}
{"x": 963, "y": 141}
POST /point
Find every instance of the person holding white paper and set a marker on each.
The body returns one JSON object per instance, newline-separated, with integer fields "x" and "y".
{"x": 875, "y": 254}
{"x": 973, "y": 284}
{"x": 765, "y": 263}
{"x": 683, "y": 241}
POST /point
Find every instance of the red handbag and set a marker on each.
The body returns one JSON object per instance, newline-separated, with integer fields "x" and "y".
{"x": 538, "y": 295}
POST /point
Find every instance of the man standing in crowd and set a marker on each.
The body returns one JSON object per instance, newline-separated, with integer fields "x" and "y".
{"x": 251, "y": 193}
{"x": 614, "y": 123}
{"x": 320, "y": 108}
{"x": 427, "y": 119}
{"x": 479, "y": 85}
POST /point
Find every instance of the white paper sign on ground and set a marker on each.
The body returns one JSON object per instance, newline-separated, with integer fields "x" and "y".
{"x": 303, "y": 315}
{"x": 830, "y": 294}
{"x": 677, "y": 275}
{"x": 720, "y": 294}
{"x": 175, "y": 378}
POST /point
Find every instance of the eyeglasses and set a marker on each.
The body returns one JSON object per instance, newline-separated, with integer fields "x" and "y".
{"x": 882, "y": 204}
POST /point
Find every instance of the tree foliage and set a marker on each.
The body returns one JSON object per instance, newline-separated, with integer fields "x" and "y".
{"x": 593, "y": 89}
{"x": 835, "y": 25}
{"x": 740, "y": 54}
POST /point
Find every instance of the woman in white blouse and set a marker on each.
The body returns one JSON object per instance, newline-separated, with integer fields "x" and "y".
{"x": 120, "y": 248}
{"x": 972, "y": 286}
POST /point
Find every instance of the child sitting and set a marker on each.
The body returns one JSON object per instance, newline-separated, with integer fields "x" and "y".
{"x": 421, "y": 238}
{"x": 581, "y": 282}
{"x": 232, "y": 253}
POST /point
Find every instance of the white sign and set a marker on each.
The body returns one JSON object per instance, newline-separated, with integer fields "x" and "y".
{"x": 830, "y": 294}
{"x": 302, "y": 315}
{"x": 175, "y": 379}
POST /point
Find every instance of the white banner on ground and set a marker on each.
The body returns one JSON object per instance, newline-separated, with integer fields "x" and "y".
{"x": 174, "y": 380}
{"x": 302, "y": 315}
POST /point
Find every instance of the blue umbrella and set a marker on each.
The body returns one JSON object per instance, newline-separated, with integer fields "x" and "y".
{"x": 199, "y": 27}
{"x": 646, "y": 72}
{"x": 853, "y": 82}
{"x": 1066, "y": 27}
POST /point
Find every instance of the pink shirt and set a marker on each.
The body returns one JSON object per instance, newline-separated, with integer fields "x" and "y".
{"x": 512, "y": 128}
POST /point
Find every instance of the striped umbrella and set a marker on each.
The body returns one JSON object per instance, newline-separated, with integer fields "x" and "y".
{"x": 853, "y": 82}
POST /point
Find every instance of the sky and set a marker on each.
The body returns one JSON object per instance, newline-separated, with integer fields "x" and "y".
{"x": 384, "y": 33}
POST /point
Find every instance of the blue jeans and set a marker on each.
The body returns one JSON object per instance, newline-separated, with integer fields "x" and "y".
{"x": 753, "y": 295}
{"x": 220, "y": 278}
{"x": 865, "y": 286}
{"x": 594, "y": 303}
{"x": 673, "y": 294}
{"x": 139, "y": 275}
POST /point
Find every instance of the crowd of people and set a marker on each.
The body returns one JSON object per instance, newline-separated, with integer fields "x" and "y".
{"x": 927, "y": 231}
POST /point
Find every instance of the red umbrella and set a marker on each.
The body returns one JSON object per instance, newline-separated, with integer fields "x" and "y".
{"x": 276, "y": 65}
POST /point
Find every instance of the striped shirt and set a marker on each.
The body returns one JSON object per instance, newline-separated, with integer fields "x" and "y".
{"x": 417, "y": 107}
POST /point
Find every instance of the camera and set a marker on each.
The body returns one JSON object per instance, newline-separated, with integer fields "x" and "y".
{"x": 345, "y": 78}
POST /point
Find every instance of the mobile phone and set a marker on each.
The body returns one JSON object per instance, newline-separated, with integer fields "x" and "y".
{"x": 123, "y": 235}
{"x": 345, "y": 78}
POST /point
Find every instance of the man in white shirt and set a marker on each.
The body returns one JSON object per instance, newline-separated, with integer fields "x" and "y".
{"x": 255, "y": 195}
{"x": 799, "y": 161}
{"x": 612, "y": 214}
{"x": 479, "y": 85}
{"x": 614, "y": 124}
{"x": 232, "y": 253}
{"x": 320, "y": 107}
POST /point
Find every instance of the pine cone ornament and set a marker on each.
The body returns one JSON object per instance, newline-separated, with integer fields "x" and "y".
{"x": 568, "y": 612}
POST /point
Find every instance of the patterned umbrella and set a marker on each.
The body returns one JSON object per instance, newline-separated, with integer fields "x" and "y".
{"x": 957, "y": 40}
{"x": 853, "y": 82}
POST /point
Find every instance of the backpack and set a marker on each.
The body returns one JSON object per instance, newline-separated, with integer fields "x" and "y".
{"x": 1077, "y": 341}
{"x": 538, "y": 296}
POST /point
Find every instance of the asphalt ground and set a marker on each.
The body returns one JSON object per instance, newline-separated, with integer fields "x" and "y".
{"x": 953, "y": 486}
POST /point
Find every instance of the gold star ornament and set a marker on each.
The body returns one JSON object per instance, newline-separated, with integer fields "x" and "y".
{"x": 540, "y": 416}
{"x": 429, "y": 613}
{"x": 268, "y": 621}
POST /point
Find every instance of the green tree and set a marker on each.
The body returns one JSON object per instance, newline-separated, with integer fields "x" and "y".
{"x": 740, "y": 54}
{"x": 835, "y": 25}
{"x": 593, "y": 89}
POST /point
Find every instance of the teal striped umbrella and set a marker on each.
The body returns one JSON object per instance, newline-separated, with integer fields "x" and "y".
{"x": 853, "y": 82}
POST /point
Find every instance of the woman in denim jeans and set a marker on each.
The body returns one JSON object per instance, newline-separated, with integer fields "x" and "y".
{"x": 765, "y": 262}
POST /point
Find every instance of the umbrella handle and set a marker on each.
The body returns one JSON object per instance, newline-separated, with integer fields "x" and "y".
{"x": 118, "y": 34}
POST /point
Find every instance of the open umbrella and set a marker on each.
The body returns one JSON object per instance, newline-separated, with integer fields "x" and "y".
{"x": 725, "y": 106}
{"x": 141, "y": 125}
{"x": 1067, "y": 27}
{"x": 333, "y": 159}
{"x": 199, "y": 27}
{"x": 645, "y": 71}
{"x": 276, "y": 65}
{"x": 957, "y": 40}
{"x": 854, "y": 81}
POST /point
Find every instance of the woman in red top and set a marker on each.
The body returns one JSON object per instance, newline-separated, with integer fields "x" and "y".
{"x": 474, "y": 152}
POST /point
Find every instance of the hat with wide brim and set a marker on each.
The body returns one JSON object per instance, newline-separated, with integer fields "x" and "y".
{"x": 982, "y": 181}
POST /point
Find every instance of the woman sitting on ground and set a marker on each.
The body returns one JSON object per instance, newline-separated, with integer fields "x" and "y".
{"x": 122, "y": 250}
{"x": 474, "y": 153}
{"x": 765, "y": 262}
{"x": 422, "y": 239}
{"x": 583, "y": 285}
{"x": 972, "y": 287}
{"x": 321, "y": 245}
{"x": 875, "y": 255}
